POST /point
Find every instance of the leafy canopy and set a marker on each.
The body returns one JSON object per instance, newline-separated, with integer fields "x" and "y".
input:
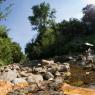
{"x": 42, "y": 16}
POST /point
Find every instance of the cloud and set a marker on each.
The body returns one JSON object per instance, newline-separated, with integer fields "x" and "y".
{"x": 89, "y": 1}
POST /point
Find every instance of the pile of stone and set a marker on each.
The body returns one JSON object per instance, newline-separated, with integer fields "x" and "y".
{"x": 45, "y": 77}
{"x": 86, "y": 60}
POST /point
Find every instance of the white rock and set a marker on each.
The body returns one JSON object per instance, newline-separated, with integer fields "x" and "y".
{"x": 34, "y": 78}
{"x": 9, "y": 76}
{"x": 46, "y": 62}
{"x": 19, "y": 80}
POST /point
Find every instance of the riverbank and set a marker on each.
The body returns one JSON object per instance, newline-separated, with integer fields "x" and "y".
{"x": 81, "y": 77}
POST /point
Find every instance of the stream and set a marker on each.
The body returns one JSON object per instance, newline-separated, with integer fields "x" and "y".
{"x": 81, "y": 77}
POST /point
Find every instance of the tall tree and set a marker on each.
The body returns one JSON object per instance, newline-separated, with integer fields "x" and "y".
{"x": 16, "y": 52}
{"x": 42, "y": 16}
{"x": 42, "y": 20}
{"x": 89, "y": 17}
{"x": 9, "y": 51}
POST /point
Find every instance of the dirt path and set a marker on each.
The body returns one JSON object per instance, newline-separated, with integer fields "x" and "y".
{"x": 71, "y": 90}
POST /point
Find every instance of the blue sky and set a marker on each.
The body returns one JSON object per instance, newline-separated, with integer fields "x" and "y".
{"x": 20, "y": 27}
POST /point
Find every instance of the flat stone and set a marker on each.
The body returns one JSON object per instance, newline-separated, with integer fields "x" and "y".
{"x": 8, "y": 76}
{"x": 34, "y": 78}
{"x": 48, "y": 75}
{"x": 18, "y": 80}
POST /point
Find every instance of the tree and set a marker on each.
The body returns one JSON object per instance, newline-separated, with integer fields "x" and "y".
{"x": 3, "y": 31}
{"x": 89, "y": 18}
{"x": 5, "y": 10}
{"x": 42, "y": 20}
{"x": 42, "y": 16}
{"x": 58, "y": 38}
{"x": 5, "y": 43}
{"x": 9, "y": 51}
{"x": 16, "y": 52}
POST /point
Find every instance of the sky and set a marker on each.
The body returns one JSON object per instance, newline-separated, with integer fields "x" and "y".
{"x": 19, "y": 25}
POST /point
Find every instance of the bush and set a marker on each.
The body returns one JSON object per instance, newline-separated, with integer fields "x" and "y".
{"x": 5, "y": 50}
{"x": 16, "y": 52}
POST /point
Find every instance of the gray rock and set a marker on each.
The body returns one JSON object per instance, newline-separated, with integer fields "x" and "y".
{"x": 90, "y": 66}
{"x": 46, "y": 62}
{"x": 66, "y": 74}
{"x": 34, "y": 78}
{"x": 8, "y": 76}
{"x": 59, "y": 80}
{"x": 52, "y": 68}
{"x": 15, "y": 67}
{"x": 23, "y": 74}
{"x": 54, "y": 86}
{"x": 57, "y": 73}
{"x": 39, "y": 70}
{"x": 64, "y": 67}
{"x": 19, "y": 80}
{"x": 28, "y": 69}
{"x": 48, "y": 75}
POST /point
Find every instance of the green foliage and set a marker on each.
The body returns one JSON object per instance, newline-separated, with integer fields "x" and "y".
{"x": 89, "y": 18}
{"x": 42, "y": 20}
{"x": 69, "y": 37}
{"x": 5, "y": 43}
{"x": 78, "y": 83}
{"x": 10, "y": 52}
{"x": 66, "y": 37}
{"x": 47, "y": 42}
{"x": 42, "y": 16}
{"x": 5, "y": 10}
{"x": 3, "y": 31}
{"x": 42, "y": 48}
{"x": 16, "y": 52}
{"x": 5, "y": 51}
{"x": 32, "y": 51}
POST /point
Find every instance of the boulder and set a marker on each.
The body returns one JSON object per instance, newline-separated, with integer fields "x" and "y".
{"x": 52, "y": 68}
{"x": 34, "y": 78}
{"x": 19, "y": 83}
{"x": 39, "y": 70}
{"x": 67, "y": 74}
{"x": 28, "y": 69}
{"x": 48, "y": 75}
{"x": 23, "y": 74}
{"x": 8, "y": 76}
{"x": 64, "y": 67}
{"x": 18, "y": 80}
{"x": 54, "y": 86}
{"x": 57, "y": 73}
{"x": 89, "y": 66}
{"x": 46, "y": 62}
{"x": 59, "y": 80}
{"x": 15, "y": 67}
{"x": 32, "y": 88}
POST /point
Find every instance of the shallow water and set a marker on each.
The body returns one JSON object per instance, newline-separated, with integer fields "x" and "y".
{"x": 81, "y": 77}
{"x": 91, "y": 85}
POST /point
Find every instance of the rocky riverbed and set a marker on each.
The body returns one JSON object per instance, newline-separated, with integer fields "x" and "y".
{"x": 81, "y": 77}
{"x": 46, "y": 78}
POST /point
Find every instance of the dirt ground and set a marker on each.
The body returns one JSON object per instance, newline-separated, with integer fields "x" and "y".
{"x": 81, "y": 77}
